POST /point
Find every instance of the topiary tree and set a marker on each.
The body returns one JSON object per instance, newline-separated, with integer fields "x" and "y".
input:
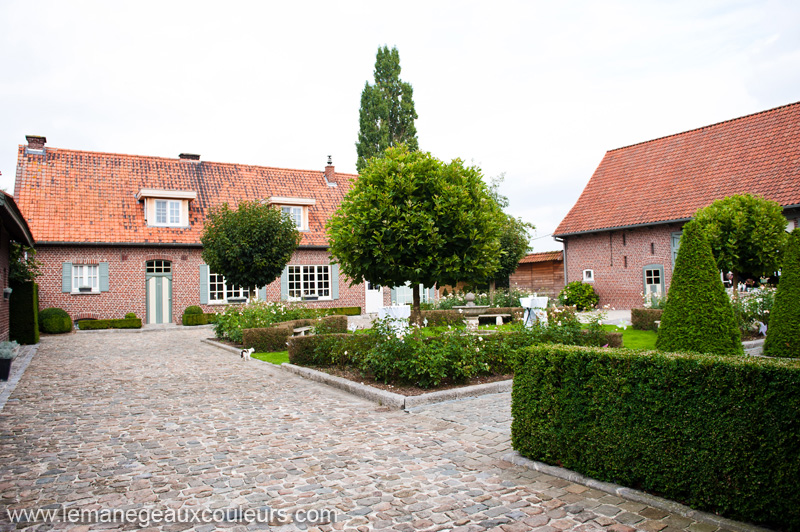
{"x": 54, "y": 321}
{"x": 747, "y": 234}
{"x": 579, "y": 295}
{"x": 410, "y": 217}
{"x": 783, "y": 335}
{"x": 249, "y": 246}
{"x": 698, "y": 315}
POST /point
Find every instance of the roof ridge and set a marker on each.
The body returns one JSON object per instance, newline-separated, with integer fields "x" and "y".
{"x": 176, "y": 159}
{"x": 705, "y": 127}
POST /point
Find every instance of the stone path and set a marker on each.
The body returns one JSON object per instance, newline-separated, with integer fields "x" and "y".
{"x": 158, "y": 420}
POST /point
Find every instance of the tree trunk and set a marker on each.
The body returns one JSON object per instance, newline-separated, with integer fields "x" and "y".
{"x": 735, "y": 282}
{"x": 416, "y": 313}
{"x": 492, "y": 288}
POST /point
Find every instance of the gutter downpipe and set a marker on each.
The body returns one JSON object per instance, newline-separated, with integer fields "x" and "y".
{"x": 564, "y": 242}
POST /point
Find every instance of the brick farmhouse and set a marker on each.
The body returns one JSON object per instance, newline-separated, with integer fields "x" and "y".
{"x": 12, "y": 227}
{"x": 121, "y": 233}
{"x": 623, "y": 233}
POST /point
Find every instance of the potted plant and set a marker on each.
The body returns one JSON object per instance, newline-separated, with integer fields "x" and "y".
{"x": 8, "y": 350}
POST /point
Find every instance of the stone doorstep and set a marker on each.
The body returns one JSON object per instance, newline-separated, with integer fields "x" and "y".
{"x": 632, "y": 494}
{"x": 382, "y": 397}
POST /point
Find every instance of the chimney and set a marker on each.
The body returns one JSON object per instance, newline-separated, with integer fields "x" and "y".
{"x": 330, "y": 175}
{"x": 35, "y": 142}
{"x": 189, "y": 156}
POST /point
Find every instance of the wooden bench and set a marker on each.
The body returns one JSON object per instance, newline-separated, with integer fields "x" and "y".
{"x": 498, "y": 317}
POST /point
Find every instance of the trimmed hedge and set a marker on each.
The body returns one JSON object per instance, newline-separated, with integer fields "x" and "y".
{"x": 191, "y": 319}
{"x": 698, "y": 316}
{"x": 643, "y": 319}
{"x": 718, "y": 433}
{"x": 783, "y": 335}
{"x": 54, "y": 321}
{"x": 329, "y": 349}
{"x": 267, "y": 339}
{"x": 440, "y": 318}
{"x": 344, "y": 311}
{"x": 193, "y": 309}
{"x": 128, "y": 323}
{"x": 331, "y": 325}
{"x": 24, "y": 313}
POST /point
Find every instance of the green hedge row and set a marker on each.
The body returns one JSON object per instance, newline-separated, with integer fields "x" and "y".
{"x": 344, "y": 311}
{"x": 198, "y": 319}
{"x": 126, "y": 323}
{"x": 24, "y": 313}
{"x": 643, "y": 319}
{"x": 440, "y": 318}
{"x": 329, "y": 349}
{"x": 271, "y": 339}
{"x": 718, "y": 433}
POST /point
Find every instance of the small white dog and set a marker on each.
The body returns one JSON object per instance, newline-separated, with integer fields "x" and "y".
{"x": 247, "y": 352}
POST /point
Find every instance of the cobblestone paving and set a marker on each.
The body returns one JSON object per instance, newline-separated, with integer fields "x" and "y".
{"x": 158, "y": 420}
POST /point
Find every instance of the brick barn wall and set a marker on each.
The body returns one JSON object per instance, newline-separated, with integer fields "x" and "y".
{"x": 544, "y": 278}
{"x": 618, "y": 262}
{"x": 5, "y": 249}
{"x": 127, "y": 280}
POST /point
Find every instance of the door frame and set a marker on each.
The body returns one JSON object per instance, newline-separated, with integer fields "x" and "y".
{"x": 159, "y": 297}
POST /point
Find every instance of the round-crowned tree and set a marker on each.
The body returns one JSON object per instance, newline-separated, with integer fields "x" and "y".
{"x": 249, "y": 246}
{"x": 783, "y": 335}
{"x": 412, "y": 218}
{"x": 698, "y": 315}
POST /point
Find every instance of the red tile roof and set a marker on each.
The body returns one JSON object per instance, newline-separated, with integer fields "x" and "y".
{"x": 90, "y": 197}
{"x": 669, "y": 178}
{"x": 543, "y": 256}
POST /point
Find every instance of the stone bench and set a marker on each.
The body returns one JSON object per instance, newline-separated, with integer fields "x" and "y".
{"x": 302, "y": 331}
{"x": 498, "y": 317}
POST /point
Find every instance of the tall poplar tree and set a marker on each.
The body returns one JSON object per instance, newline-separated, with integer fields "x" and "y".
{"x": 387, "y": 114}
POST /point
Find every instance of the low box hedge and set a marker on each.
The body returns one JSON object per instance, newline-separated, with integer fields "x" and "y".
{"x": 717, "y": 433}
{"x": 344, "y": 311}
{"x": 126, "y": 323}
{"x": 267, "y": 339}
{"x": 24, "y": 313}
{"x": 191, "y": 319}
{"x": 440, "y": 318}
{"x": 328, "y": 349}
{"x": 643, "y": 319}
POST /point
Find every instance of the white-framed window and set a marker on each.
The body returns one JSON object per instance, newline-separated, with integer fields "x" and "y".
{"x": 588, "y": 276}
{"x": 221, "y": 292}
{"x": 309, "y": 282}
{"x": 85, "y": 278}
{"x": 168, "y": 212}
{"x": 403, "y": 295}
{"x": 295, "y": 213}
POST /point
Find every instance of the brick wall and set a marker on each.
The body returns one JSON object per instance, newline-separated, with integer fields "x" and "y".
{"x": 4, "y": 251}
{"x": 544, "y": 278}
{"x": 618, "y": 261}
{"x": 127, "y": 280}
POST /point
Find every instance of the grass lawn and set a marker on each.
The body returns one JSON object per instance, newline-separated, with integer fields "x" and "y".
{"x": 633, "y": 339}
{"x": 279, "y": 357}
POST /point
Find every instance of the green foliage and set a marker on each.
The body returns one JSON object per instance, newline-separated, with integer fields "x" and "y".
{"x": 747, "y": 233}
{"x": 718, "y": 433}
{"x": 644, "y": 319}
{"x": 89, "y": 325}
{"x": 632, "y": 338}
{"x": 329, "y": 349}
{"x": 266, "y": 340}
{"x": 387, "y": 114}
{"x": 8, "y": 350}
{"x": 256, "y": 315}
{"x": 783, "y": 335}
{"x": 277, "y": 358}
{"x": 193, "y": 309}
{"x": 22, "y": 264}
{"x": 344, "y": 311}
{"x": 410, "y": 217}
{"x": 502, "y": 297}
{"x": 54, "y": 321}
{"x": 24, "y": 313}
{"x": 437, "y": 318}
{"x": 753, "y": 307}
{"x": 698, "y": 316}
{"x": 130, "y": 315}
{"x": 330, "y": 325}
{"x": 249, "y": 246}
{"x": 579, "y": 295}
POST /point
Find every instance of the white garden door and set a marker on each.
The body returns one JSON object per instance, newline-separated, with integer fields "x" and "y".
{"x": 374, "y": 298}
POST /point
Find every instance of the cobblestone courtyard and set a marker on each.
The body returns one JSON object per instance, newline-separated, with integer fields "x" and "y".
{"x": 159, "y": 420}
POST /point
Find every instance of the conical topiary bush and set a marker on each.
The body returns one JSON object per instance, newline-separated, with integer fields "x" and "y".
{"x": 783, "y": 334}
{"x": 698, "y": 315}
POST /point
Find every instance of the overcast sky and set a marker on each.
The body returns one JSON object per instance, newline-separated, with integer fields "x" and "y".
{"x": 536, "y": 90}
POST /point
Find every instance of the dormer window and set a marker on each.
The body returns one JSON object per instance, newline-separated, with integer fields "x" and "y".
{"x": 166, "y": 208}
{"x": 295, "y": 208}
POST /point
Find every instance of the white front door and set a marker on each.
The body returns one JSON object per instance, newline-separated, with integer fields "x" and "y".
{"x": 374, "y": 298}
{"x": 158, "y": 284}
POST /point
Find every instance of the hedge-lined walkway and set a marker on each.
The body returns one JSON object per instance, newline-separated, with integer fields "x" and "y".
{"x": 161, "y": 420}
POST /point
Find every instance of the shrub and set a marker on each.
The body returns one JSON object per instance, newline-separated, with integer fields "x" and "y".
{"x": 580, "y": 295}
{"x": 439, "y": 318}
{"x": 193, "y": 309}
{"x": 783, "y": 335}
{"x": 235, "y": 318}
{"x": 698, "y": 316}
{"x": 344, "y": 311}
{"x": 24, "y": 313}
{"x": 133, "y": 323}
{"x": 753, "y": 306}
{"x": 329, "y": 349}
{"x": 644, "y": 319}
{"x": 8, "y": 350}
{"x": 266, "y": 340}
{"x": 331, "y": 325}
{"x": 502, "y": 298}
{"x": 54, "y": 321}
{"x": 130, "y": 315}
{"x": 716, "y": 432}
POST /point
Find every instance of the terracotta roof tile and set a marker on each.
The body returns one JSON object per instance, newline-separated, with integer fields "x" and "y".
{"x": 543, "y": 256}
{"x": 81, "y": 196}
{"x": 671, "y": 177}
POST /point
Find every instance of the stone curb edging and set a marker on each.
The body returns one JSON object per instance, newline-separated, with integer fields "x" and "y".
{"x": 382, "y": 397}
{"x": 632, "y": 494}
{"x": 144, "y": 329}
